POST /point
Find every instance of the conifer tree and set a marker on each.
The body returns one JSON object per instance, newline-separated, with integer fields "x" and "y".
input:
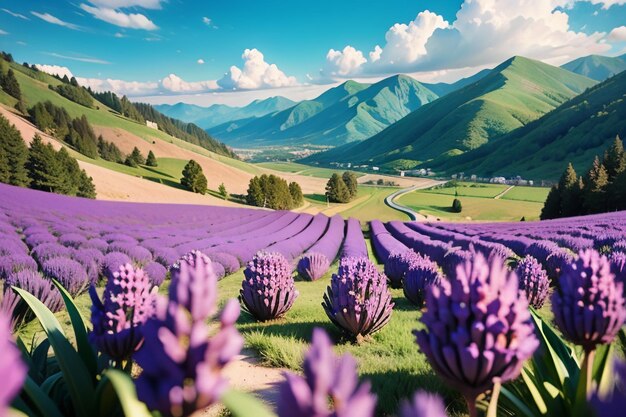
{"x": 571, "y": 194}
{"x": 255, "y": 195}
{"x": 9, "y": 84}
{"x": 614, "y": 159}
{"x": 222, "y": 190}
{"x": 552, "y": 207}
{"x": 15, "y": 153}
{"x": 44, "y": 169}
{"x": 193, "y": 178}
{"x": 595, "y": 196}
{"x": 296, "y": 194}
{"x": 336, "y": 190}
{"x": 151, "y": 160}
{"x": 349, "y": 178}
{"x": 135, "y": 158}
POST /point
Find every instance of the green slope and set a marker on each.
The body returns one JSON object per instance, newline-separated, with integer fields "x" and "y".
{"x": 597, "y": 67}
{"x": 350, "y": 112}
{"x": 515, "y": 93}
{"x": 575, "y": 131}
{"x": 442, "y": 89}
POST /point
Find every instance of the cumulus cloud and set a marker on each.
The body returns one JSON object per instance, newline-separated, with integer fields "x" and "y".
{"x": 200, "y": 61}
{"x": 175, "y": 84}
{"x": 345, "y": 62}
{"x": 55, "y": 70}
{"x": 47, "y": 17}
{"x": 121, "y": 19}
{"x": 120, "y": 87}
{"x": 618, "y": 34}
{"x": 255, "y": 74}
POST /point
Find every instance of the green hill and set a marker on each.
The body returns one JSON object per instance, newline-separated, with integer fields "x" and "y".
{"x": 513, "y": 94}
{"x": 442, "y": 89}
{"x": 597, "y": 67}
{"x": 575, "y": 131}
{"x": 347, "y": 113}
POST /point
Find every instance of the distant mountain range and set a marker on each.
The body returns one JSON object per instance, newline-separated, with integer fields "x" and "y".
{"x": 217, "y": 114}
{"x": 597, "y": 67}
{"x": 573, "y": 132}
{"x": 510, "y": 96}
{"x": 349, "y": 112}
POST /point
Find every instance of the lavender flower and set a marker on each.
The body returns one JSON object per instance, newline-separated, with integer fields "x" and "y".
{"x": 46, "y": 251}
{"x": 112, "y": 261}
{"x": 326, "y": 376}
{"x": 422, "y": 273}
{"x": 12, "y": 368}
{"x": 156, "y": 272}
{"x": 181, "y": 363}
{"x": 165, "y": 256}
{"x": 423, "y": 405}
{"x": 9, "y": 301}
{"x": 533, "y": 280}
{"x": 229, "y": 262}
{"x": 618, "y": 266}
{"x": 478, "y": 327}
{"x": 397, "y": 266}
{"x": 268, "y": 290}
{"x": 40, "y": 287}
{"x": 588, "y": 304}
{"x": 69, "y": 273}
{"x": 16, "y": 263}
{"x": 357, "y": 299}
{"x": 128, "y": 303}
{"x": 616, "y": 404}
{"x": 313, "y": 266}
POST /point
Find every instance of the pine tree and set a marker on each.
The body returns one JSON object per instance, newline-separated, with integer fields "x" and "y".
{"x": 336, "y": 190}
{"x": 15, "y": 152}
{"x": 349, "y": 178}
{"x": 618, "y": 195}
{"x": 5, "y": 175}
{"x": 44, "y": 169}
{"x": 135, "y": 158}
{"x": 151, "y": 160}
{"x": 571, "y": 194}
{"x": 595, "y": 196}
{"x": 68, "y": 180}
{"x": 222, "y": 190}
{"x": 9, "y": 84}
{"x": 552, "y": 207}
{"x": 255, "y": 195}
{"x": 614, "y": 159}
{"x": 86, "y": 187}
{"x": 193, "y": 178}
{"x": 41, "y": 117}
{"x": 296, "y": 194}
{"x": 21, "y": 107}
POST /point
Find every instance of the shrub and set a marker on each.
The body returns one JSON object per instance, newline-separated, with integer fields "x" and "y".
{"x": 457, "y": 207}
{"x": 69, "y": 273}
{"x": 422, "y": 274}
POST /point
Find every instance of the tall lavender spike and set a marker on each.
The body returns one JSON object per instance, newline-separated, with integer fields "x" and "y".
{"x": 313, "y": 266}
{"x": 12, "y": 368}
{"x": 128, "y": 302}
{"x": 40, "y": 287}
{"x": 268, "y": 289}
{"x": 533, "y": 280}
{"x": 478, "y": 327}
{"x": 618, "y": 266}
{"x": 588, "y": 304}
{"x": 357, "y": 299}
{"x": 397, "y": 266}
{"x": 69, "y": 273}
{"x": 181, "y": 364}
{"x": 424, "y": 405}
{"x": 325, "y": 376}
{"x": 422, "y": 273}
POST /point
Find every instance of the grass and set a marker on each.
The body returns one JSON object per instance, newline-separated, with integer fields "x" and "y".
{"x": 474, "y": 208}
{"x": 536, "y": 194}
{"x": 470, "y": 190}
{"x": 306, "y": 170}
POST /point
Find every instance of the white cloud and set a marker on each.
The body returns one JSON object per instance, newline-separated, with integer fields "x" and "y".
{"x": 209, "y": 22}
{"x": 55, "y": 20}
{"x": 20, "y": 16}
{"x": 606, "y": 4}
{"x": 121, "y": 19}
{"x": 175, "y": 84}
{"x": 86, "y": 59}
{"x": 119, "y": 35}
{"x": 200, "y": 61}
{"x": 3, "y": 32}
{"x": 376, "y": 53}
{"x": 618, "y": 34}
{"x": 120, "y": 87}
{"x": 256, "y": 74}
{"x": 120, "y": 4}
{"x": 344, "y": 62}
{"x": 55, "y": 70}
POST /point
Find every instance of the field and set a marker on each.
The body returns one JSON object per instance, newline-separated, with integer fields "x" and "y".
{"x": 470, "y": 190}
{"x": 536, "y": 194}
{"x": 306, "y": 170}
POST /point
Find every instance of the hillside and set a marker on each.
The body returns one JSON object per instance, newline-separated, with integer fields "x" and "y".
{"x": 347, "y": 113}
{"x": 575, "y": 131}
{"x": 441, "y": 89}
{"x": 217, "y": 114}
{"x": 597, "y": 67}
{"x": 513, "y": 94}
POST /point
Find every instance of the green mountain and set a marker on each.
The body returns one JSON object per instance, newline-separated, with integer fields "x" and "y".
{"x": 597, "y": 67}
{"x": 349, "y": 112}
{"x": 574, "y": 132}
{"x": 441, "y": 89}
{"x": 217, "y": 114}
{"x": 513, "y": 94}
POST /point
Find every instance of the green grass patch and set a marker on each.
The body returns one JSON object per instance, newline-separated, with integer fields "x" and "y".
{"x": 374, "y": 206}
{"x": 470, "y": 189}
{"x": 306, "y": 170}
{"x": 535, "y": 194}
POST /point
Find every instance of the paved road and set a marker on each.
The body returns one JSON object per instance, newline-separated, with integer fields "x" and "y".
{"x": 499, "y": 196}
{"x": 390, "y": 200}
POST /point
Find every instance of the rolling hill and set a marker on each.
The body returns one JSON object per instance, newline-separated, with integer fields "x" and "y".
{"x": 217, "y": 114}
{"x": 350, "y": 112}
{"x": 513, "y": 94}
{"x": 442, "y": 89}
{"x": 573, "y": 132}
{"x": 597, "y": 67}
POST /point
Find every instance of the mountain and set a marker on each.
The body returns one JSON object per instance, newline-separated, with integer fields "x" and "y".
{"x": 574, "y": 132}
{"x": 349, "y": 112}
{"x": 513, "y": 94}
{"x": 217, "y": 114}
{"x": 597, "y": 67}
{"x": 441, "y": 89}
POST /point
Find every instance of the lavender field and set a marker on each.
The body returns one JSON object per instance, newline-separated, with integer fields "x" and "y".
{"x": 482, "y": 314}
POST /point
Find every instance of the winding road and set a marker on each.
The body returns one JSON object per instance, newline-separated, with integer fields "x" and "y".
{"x": 414, "y": 216}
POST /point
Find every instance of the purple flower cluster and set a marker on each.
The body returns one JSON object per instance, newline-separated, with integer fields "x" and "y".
{"x": 181, "y": 363}
{"x": 533, "y": 280}
{"x": 316, "y": 261}
{"x": 268, "y": 289}
{"x": 128, "y": 302}
{"x": 478, "y": 327}
{"x": 69, "y": 273}
{"x": 422, "y": 274}
{"x": 397, "y": 266}
{"x": 357, "y": 299}
{"x": 12, "y": 368}
{"x": 424, "y": 405}
{"x": 43, "y": 289}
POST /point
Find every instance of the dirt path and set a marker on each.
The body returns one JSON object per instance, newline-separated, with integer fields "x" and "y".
{"x": 503, "y": 192}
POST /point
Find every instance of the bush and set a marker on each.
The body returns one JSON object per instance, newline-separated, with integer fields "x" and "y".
{"x": 193, "y": 178}
{"x": 457, "y": 207}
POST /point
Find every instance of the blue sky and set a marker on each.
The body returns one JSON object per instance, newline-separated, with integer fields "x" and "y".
{"x": 178, "y": 49}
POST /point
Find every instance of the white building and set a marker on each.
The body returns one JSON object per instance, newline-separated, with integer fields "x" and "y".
{"x": 152, "y": 125}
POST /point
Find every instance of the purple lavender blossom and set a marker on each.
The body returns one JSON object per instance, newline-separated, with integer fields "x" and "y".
{"x": 229, "y": 262}
{"x": 16, "y": 263}
{"x": 112, "y": 261}
{"x": 618, "y": 266}
{"x": 326, "y": 376}
{"x": 128, "y": 302}
{"x": 12, "y": 368}
{"x": 268, "y": 290}
{"x": 69, "y": 273}
{"x": 533, "y": 280}
{"x": 397, "y": 266}
{"x": 478, "y": 327}
{"x": 156, "y": 272}
{"x": 357, "y": 299}
{"x": 616, "y": 404}
{"x": 313, "y": 266}
{"x": 424, "y": 405}
{"x": 422, "y": 274}
{"x": 165, "y": 256}
{"x": 588, "y": 304}
{"x": 46, "y": 251}
{"x": 43, "y": 289}
{"x": 181, "y": 364}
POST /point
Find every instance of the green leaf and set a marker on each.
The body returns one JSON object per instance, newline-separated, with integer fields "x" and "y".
{"x": 125, "y": 390}
{"x": 245, "y": 405}
{"x": 519, "y": 408}
{"x": 603, "y": 372}
{"x": 76, "y": 376}
{"x": 48, "y": 384}
{"x": 39, "y": 400}
{"x": 85, "y": 350}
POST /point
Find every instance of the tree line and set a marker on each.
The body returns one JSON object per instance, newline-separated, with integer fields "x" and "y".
{"x": 601, "y": 190}
{"x": 40, "y": 166}
{"x": 273, "y": 192}
{"x": 342, "y": 189}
